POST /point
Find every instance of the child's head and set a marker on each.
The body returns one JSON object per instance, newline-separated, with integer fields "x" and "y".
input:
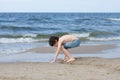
{"x": 53, "y": 40}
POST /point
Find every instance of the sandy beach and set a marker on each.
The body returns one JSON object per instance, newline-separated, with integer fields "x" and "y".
{"x": 82, "y": 69}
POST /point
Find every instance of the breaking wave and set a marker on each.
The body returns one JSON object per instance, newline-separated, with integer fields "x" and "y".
{"x": 113, "y": 19}
{"x": 89, "y": 36}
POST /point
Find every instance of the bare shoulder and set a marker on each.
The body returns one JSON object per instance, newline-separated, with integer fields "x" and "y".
{"x": 67, "y": 38}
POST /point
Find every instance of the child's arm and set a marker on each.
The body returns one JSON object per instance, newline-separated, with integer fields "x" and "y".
{"x": 57, "y": 52}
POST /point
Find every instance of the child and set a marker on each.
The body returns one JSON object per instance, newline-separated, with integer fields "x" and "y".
{"x": 63, "y": 44}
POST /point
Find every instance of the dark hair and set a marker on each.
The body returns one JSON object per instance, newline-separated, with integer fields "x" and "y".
{"x": 52, "y": 40}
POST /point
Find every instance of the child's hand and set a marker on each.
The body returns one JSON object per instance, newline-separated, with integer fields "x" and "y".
{"x": 52, "y": 61}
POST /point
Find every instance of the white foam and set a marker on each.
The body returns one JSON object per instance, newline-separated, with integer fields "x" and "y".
{"x": 17, "y": 40}
{"x": 81, "y": 34}
{"x": 104, "y": 39}
{"x": 114, "y": 19}
{"x": 5, "y": 52}
{"x": 21, "y": 40}
{"x": 29, "y": 35}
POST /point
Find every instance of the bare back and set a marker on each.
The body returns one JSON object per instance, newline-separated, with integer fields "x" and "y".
{"x": 67, "y": 38}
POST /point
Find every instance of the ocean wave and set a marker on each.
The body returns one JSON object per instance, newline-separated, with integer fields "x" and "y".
{"x": 94, "y": 34}
{"x": 96, "y": 37}
{"x": 88, "y": 36}
{"x": 81, "y": 30}
{"x": 82, "y": 19}
{"x": 22, "y": 40}
{"x": 7, "y": 20}
{"x": 15, "y": 28}
{"x": 39, "y": 19}
{"x": 33, "y": 19}
{"x": 104, "y": 39}
{"x": 24, "y": 29}
{"x": 30, "y": 40}
{"x": 18, "y": 36}
{"x": 100, "y": 33}
{"x": 29, "y": 35}
{"x": 114, "y": 19}
{"x": 18, "y": 40}
{"x": 81, "y": 34}
{"x": 35, "y": 36}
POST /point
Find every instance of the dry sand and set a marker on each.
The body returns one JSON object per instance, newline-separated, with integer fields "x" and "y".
{"x": 81, "y": 69}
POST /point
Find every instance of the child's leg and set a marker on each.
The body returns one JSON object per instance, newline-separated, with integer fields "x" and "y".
{"x": 65, "y": 57}
{"x": 67, "y": 53}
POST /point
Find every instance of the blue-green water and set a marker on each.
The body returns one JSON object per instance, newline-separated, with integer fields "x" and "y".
{"x": 35, "y": 27}
{"x": 22, "y": 31}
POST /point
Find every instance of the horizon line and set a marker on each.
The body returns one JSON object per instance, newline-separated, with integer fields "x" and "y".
{"x": 53, "y": 12}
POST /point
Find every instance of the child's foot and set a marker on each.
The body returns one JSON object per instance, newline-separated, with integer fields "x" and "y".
{"x": 65, "y": 60}
{"x": 70, "y": 60}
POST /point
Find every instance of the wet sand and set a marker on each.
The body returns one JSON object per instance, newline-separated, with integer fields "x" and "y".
{"x": 81, "y": 49}
{"x": 82, "y": 69}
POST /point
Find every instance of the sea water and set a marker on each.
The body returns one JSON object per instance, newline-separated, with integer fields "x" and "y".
{"x": 22, "y": 31}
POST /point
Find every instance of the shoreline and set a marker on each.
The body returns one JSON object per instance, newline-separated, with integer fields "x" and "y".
{"x": 45, "y": 54}
{"x": 81, "y": 69}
